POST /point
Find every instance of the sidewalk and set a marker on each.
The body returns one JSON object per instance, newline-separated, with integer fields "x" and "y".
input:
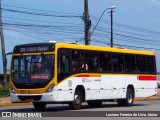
{"x": 7, "y": 101}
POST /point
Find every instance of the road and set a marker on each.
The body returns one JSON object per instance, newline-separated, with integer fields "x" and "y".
{"x": 107, "y": 107}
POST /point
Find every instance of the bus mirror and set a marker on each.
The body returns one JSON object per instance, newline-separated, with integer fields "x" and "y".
{"x": 6, "y": 62}
{"x": 9, "y": 53}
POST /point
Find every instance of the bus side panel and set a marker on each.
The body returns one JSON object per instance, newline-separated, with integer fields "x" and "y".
{"x": 112, "y": 86}
{"x": 91, "y": 86}
{"x": 140, "y": 87}
{"x": 152, "y": 88}
{"x": 65, "y": 91}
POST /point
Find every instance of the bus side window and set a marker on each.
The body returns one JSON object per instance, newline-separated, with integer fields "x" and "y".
{"x": 105, "y": 62}
{"x": 141, "y": 64}
{"x": 93, "y": 61}
{"x": 117, "y": 63}
{"x": 130, "y": 66}
{"x": 78, "y": 60}
{"x": 151, "y": 65}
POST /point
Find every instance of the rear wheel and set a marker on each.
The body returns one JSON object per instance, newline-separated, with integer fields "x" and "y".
{"x": 94, "y": 103}
{"x": 128, "y": 101}
{"x": 39, "y": 106}
{"x": 76, "y": 104}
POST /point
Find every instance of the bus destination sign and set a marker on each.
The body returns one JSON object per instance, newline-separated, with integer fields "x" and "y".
{"x": 31, "y": 49}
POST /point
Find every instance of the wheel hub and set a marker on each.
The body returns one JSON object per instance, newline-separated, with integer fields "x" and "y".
{"x": 130, "y": 98}
{"x": 77, "y": 99}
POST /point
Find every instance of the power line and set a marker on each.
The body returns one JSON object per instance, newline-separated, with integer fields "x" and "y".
{"x": 41, "y": 21}
{"x": 137, "y": 47}
{"x": 126, "y": 26}
{"x": 41, "y": 25}
{"x": 134, "y": 27}
{"x": 35, "y": 26}
{"x": 123, "y": 45}
{"x": 24, "y": 8}
{"x": 24, "y": 33}
{"x": 72, "y": 28}
{"x": 41, "y": 14}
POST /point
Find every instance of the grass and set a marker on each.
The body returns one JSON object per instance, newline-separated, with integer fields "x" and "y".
{"x": 4, "y": 90}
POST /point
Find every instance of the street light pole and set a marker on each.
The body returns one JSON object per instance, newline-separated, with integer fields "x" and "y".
{"x": 99, "y": 21}
{"x": 111, "y": 8}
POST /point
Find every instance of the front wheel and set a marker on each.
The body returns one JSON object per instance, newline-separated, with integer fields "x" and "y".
{"x": 128, "y": 101}
{"x": 76, "y": 104}
{"x": 39, "y": 106}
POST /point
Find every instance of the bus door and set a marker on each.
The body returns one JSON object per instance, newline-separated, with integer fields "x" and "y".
{"x": 64, "y": 71}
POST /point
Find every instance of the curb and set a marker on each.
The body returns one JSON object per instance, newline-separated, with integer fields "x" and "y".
{"x": 147, "y": 99}
{"x": 3, "y": 104}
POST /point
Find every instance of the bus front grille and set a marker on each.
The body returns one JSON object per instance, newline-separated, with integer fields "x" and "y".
{"x": 30, "y": 98}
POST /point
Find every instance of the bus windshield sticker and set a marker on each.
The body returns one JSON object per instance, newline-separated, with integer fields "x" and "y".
{"x": 40, "y": 76}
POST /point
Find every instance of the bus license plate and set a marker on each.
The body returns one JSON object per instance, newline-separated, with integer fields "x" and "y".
{"x": 29, "y": 99}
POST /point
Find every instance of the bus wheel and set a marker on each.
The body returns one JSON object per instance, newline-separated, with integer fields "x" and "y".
{"x": 128, "y": 101}
{"x": 39, "y": 106}
{"x": 76, "y": 104}
{"x": 94, "y": 103}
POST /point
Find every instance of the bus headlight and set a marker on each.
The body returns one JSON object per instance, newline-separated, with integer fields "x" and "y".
{"x": 50, "y": 88}
{"x": 12, "y": 90}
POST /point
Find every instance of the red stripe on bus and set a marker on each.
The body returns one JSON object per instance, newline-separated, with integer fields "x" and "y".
{"x": 151, "y": 78}
{"x": 88, "y": 75}
{"x": 83, "y": 75}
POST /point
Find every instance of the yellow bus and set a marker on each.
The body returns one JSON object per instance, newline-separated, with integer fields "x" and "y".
{"x": 45, "y": 73}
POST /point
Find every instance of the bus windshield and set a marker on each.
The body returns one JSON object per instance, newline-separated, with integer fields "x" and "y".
{"x": 32, "y": 69}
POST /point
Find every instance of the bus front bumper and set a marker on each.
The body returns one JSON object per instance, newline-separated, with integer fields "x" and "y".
{"x": 45, "y": 97}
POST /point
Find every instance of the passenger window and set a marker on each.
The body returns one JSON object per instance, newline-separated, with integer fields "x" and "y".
{"x": 105, "y": 62}
{"x": 130, "y": 66}
{"x": 78, "y": 61}
{"x": 94, "y": 61}
{"x": 117, "y": 63}
{"x": 141, "y": 64}
{"x": 151, "y": 68}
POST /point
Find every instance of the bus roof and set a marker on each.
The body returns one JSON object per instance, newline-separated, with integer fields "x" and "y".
{"x": 88, "y": 47}
{"x": 101, "y": 48}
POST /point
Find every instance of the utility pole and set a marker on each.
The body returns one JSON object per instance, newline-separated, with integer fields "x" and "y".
{"x": 87, "y": 23}
{"x": 3, "y": 47}
{"x": 111, "y": 27}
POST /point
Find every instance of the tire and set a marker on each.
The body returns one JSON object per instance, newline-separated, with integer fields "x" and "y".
{"x": 39, "y": 106}
{"x": 94, "y": 103}
{"x": 76, "y": 104}
{"x": 128, "y": 101}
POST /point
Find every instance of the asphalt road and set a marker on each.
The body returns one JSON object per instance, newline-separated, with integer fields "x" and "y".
{"x": 107, "y": 107}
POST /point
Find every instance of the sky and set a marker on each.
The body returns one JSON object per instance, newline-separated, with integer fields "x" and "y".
{"x": 136, "y": 23}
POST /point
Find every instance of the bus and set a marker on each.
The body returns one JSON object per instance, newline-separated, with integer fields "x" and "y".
{"x": 67, "y": 73}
